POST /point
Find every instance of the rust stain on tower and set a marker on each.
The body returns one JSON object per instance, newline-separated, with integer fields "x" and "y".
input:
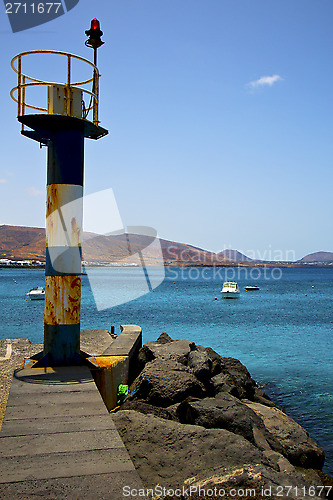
{"x": 63, "y": 300}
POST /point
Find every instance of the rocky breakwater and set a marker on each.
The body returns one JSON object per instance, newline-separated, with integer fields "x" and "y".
{"x": 197, "y": 425}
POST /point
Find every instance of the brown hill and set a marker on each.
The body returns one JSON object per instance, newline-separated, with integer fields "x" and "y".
{"x": 18, "y": 242}
{"x": 116, "y": 247}
{"x": 21, "y": 243}
{"x": 234, "y": 255}
{"x": 318, "y": 257}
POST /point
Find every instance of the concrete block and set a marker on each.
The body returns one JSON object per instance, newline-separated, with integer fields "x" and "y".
{"x": 94, "y": 342}
{"x": 127, "y": 343}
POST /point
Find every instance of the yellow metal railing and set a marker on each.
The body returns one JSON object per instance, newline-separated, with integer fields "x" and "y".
{"x": 25, "y": 81}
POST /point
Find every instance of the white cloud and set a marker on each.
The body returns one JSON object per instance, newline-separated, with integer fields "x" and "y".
{"x": 33, "y": 191}
{"x": 265, "y": 81}
{"x": 3, "y": 181}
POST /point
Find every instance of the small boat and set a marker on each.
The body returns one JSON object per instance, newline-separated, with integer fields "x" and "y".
{"x": 230, "y": 290}
{"x": 251, "y": 288}
{"x": 37, "y": 293}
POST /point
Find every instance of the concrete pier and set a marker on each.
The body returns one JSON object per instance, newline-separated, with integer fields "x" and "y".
{"x": 58, "y": 439}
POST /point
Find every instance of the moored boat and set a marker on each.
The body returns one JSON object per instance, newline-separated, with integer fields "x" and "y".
{"x": 251, "y": 288}
{"x": 230, "y": 290}
{"x": 37, "y": 293}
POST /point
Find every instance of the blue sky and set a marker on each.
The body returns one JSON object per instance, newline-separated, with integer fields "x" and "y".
{"x": 220, "y": 120}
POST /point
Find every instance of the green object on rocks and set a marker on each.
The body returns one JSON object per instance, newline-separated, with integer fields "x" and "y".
{"x": 122, "y": 392}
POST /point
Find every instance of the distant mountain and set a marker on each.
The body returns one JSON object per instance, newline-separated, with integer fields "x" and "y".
{"x": 117, "y": 247}
{"x": 181, "y": 253}
{"x": 234, "y": 255}
{"x": 28, "y": 243}
{"x": 18, "y": 242}
{"x": 318, "y": 257}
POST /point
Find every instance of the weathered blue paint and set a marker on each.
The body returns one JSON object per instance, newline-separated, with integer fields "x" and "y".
{"x": 67, "y": 264}
{"x": 65, "y": 157}
{"x": 65, "y": 163}
{"x": 62, "y": 345}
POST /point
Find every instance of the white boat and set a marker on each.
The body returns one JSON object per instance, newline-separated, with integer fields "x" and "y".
{"x": 37, "y": 293}
{"x": 251, "y": 288}
{"x": 230, "y": 290}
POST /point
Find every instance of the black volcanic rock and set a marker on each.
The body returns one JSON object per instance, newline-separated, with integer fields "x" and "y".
{"x": 178, "y": 434}
{"x": 173, "y": 455}
{"x": 167, "y": 452}
{"x": 261, "y": 397}
{"x": 177, "y": 350}
{"x": 147, "y": 409}
{"x": 164, "y": 382}
{"x": 231, "y": 376}
{"x": 296, "y": 444}
{"x": 164, "y": 338}
{"x": 201, "y": 364}
{"x": 221, "y": 412}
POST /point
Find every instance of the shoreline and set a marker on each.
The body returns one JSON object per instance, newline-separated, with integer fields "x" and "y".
{"x": 209, "y": 423}
{"x": 255, "y": 265}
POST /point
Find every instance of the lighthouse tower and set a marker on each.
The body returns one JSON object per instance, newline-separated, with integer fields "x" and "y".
{"x": 70, "y": 116}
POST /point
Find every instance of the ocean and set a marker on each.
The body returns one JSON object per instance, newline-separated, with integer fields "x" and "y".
{"x": 283, "y": 333}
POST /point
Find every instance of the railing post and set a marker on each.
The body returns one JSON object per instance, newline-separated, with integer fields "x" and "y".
{"x": 24, "y": 80}
{"x": 96, "y": 98}
{"x": 19, "y": 86}
{"x": 68, "y": 103}
{"x": 23, "y": 98}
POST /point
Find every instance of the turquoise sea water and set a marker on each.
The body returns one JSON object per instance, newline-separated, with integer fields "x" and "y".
{"x": 283, "y": 333}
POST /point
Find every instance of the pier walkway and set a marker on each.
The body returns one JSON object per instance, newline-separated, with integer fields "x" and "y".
{"x": 59, "y": 441}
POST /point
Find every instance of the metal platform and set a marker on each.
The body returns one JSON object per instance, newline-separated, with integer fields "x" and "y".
{"x": 40, "y": 123}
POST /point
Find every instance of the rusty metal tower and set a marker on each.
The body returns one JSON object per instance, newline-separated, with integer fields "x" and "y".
{"x": 62, "y": 126}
